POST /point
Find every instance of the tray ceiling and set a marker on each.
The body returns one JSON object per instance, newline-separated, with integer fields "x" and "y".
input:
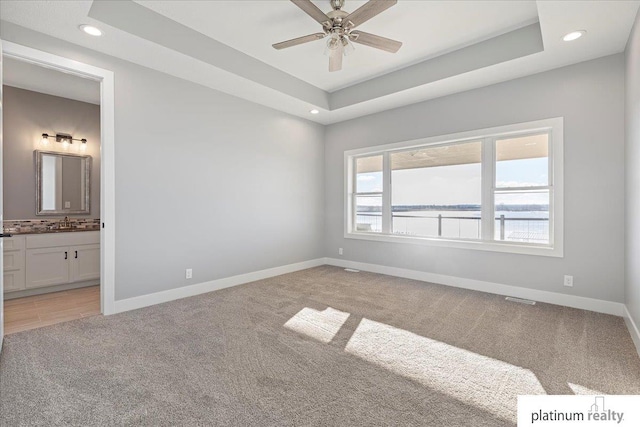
{"x": 448, "y": 47}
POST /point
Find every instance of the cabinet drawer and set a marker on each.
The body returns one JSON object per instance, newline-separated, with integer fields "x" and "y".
{"x": 15, "y": 243}
{"x": 14, "y": 281}
{"x": 13, "y": 260}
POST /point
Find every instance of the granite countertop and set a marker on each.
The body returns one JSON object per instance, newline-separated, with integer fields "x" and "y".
{"x": 49, "y": 225}
{"x": 49, "y": 231}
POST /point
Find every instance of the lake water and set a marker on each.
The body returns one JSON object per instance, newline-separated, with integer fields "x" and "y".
{"x": 525, "y": 226}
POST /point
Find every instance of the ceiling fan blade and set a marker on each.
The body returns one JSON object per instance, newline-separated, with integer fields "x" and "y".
{"x": 368, "y": 11}
{"x": 299, "y": 40}
{"x": 335, "y": 58}
{"x": 375, "y": 41}
{"x": 313, "y": 11}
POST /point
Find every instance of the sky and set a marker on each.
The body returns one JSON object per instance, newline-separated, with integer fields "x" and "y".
{"x": 458, "y": 184}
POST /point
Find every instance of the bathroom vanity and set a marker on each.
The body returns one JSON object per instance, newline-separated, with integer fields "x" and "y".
{"x": 50, "y": 261}
{"x": 53, "y": 254}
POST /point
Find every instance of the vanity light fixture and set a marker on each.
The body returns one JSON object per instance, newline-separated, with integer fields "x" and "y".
{"x": 91, "y": 30}
{"x": 65, "y": 139}
{"x": 574, "y": 35}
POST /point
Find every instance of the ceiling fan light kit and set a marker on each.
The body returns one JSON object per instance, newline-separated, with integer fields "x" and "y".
{"x": 339, "y": 26}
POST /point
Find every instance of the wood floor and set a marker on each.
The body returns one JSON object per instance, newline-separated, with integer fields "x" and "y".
{"x": 26, "y": 313}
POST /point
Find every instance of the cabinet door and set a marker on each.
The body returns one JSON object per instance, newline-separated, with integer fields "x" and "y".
{"x": 48, "y": 266}
{"x": 85, "y": 262}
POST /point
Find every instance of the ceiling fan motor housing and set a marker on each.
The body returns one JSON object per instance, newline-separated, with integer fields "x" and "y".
{"x": 337, "y": 18}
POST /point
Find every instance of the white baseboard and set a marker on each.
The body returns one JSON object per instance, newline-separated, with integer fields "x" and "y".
{"x": 213, "y": 285}
{"x": 600, "y": 306}
{"x": 633, "y": 328}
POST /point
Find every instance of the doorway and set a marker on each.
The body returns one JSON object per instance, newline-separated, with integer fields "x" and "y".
{"x": 77, "y": 253}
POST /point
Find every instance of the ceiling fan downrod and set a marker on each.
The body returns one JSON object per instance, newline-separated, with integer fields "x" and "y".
{"x": 337, "y": 4}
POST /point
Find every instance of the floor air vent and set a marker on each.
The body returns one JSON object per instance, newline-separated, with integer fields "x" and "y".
{"x": 521, "y": 301}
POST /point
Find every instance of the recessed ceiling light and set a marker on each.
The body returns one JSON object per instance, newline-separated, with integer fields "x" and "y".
{"x": 574, "y": 35}
{"x": 91, "y": 30}
{"x": 314, "y": 111}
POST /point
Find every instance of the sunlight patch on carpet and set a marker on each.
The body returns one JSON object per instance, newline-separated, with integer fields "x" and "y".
{"x": 484, "y": 382}
{"x": 320, "y": 325}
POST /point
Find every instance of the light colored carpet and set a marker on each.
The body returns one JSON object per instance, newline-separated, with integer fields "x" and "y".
{"x": 317, "y": 347}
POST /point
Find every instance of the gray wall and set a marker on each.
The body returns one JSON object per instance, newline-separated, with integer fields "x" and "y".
{"x": 204, "y": 180}
{"x": 632, "y": 168}
{"x": 207, "y": 181}
{"x": 27, "y": 115}
{"x": 590, "y": 97}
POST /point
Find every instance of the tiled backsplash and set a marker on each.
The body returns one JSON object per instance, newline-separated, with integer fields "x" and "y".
{"x": 35, "y": 225}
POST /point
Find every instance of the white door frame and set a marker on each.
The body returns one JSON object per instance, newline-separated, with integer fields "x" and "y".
{"x": 107, "y": 151}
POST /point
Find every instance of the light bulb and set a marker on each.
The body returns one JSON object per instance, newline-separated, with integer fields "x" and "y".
{"x": 91, "y": 30}
{"x": 348, "y": 47}
{"x": 574, "y": 35}
{"x": 83, "y": 145}
{"x": 65, "y": 144}
{"x": 334, "y": 41}
{"x": 45, "y": 139}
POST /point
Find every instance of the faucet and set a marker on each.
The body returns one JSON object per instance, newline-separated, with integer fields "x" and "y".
{"x": 65, "y": 223}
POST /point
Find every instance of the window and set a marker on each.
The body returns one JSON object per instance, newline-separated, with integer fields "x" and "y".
{"x": 436, "y": 191}
{"x": 521, "y": 193}
{"x": 369, "y": 194}
{"x": 497, "y": 189}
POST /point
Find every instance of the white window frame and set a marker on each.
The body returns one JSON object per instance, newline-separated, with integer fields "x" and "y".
{"x": 555, "y": 248}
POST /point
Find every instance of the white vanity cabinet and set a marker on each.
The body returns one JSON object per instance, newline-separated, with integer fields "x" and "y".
{"x": 56, "y": 259}
{"x": 13, "y": 258}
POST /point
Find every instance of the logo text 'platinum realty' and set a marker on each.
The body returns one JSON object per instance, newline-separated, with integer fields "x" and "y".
{"x": 567, "y": 410}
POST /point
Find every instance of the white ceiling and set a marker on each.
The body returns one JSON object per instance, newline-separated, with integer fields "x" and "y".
{"x": 226, "y": 45}
{"x": 426, "y": 28}
{"x": 25, "y": 75}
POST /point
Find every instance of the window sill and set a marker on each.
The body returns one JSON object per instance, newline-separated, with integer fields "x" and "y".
{"x": 492, "y": 246}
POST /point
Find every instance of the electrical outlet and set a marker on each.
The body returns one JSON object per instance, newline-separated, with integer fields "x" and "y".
{"x": 189, "y": 273}
{"x": 568, "y": 281}
{"x": 340, "y": 251}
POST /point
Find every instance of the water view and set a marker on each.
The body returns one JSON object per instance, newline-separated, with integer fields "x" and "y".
{"x": 513, "y": 223}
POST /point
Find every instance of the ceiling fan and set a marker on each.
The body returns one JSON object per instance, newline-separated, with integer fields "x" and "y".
{"x": 339, "y": 26}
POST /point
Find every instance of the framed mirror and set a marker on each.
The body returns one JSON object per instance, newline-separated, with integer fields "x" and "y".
{"x": 63, "y": 183}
